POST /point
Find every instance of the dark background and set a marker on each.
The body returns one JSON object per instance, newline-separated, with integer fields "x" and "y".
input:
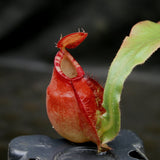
{"x": 28, "y": 32}
{"x": 29, "y": 29}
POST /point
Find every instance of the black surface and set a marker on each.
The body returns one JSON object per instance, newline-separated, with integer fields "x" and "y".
{"x": 126, "y": 146}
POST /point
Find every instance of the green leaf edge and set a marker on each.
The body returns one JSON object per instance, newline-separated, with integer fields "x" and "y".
{"x": 144, "y": 39}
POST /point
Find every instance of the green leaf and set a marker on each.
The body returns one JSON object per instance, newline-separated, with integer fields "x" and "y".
{"x": 144, "y": 39}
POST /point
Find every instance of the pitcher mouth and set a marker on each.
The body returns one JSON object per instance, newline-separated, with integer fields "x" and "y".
{"x": 67, "y": 66}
